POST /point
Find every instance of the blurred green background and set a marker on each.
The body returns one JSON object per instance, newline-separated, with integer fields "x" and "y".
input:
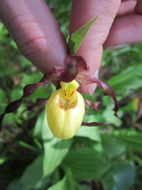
{"x": 100, "y": 158}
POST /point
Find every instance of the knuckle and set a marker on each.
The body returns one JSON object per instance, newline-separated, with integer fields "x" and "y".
{"x": 108, "y": 7}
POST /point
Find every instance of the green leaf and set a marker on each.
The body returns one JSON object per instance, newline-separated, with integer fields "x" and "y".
{"x": 55, "y": 152}
{"x": 28, "y": 146}
{"x": 54, "y": 149}
{"x": 132, "y": 140}
{"x": 3, "y": 160}
{"x": 109, "y": 116}
{"x": 30, "y": 79}
{"x": 31, "y": 178}
{"x": 129, "y": 78}
{"x": 77, "y": 37}
{"x": 67, "y": 183}
{"x": 87, "y": 164}
{"x": 120, "y": 176}
{"x": 15, "y": 185}
{"x": 61, "y": 185}
{"x": 89, "y": 132}
{"x": 112, "y": 146}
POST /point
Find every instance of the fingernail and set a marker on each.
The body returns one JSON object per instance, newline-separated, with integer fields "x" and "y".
{"x": 116, "y": 46}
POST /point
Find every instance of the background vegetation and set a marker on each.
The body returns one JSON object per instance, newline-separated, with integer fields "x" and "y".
{"x": 97, "y": 158}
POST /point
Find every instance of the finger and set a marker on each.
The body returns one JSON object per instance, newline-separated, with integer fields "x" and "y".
{"x": 35, "y": 31}
{"x": 139, "y": 7}
{"x": 91, "y": 48}
{"x": 125, "y": 30}
{"x": 127, "y": 7}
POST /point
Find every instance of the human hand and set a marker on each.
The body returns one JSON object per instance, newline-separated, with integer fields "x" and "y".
{"x": 127, "y": 27}
{"x": 37, "y": 34}
{"x": 120, "y": 16}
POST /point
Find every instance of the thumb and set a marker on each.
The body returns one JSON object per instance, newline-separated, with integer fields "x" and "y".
{"x": 92, "y": 47}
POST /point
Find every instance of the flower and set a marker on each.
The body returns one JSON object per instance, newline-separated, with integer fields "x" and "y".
{"x": 66, "y": 107}
{"x": 65, "y": 110}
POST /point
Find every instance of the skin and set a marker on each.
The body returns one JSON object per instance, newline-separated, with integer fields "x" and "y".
{"x": 37, "y": 34}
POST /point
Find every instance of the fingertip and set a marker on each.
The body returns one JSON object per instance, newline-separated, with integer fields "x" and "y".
{"x": 125, "y": 30}
{"x": 91, "y": 48}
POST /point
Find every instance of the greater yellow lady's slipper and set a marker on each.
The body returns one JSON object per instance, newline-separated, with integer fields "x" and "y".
{"x": 66, "y": 107}
{"x": 65, "y": 110}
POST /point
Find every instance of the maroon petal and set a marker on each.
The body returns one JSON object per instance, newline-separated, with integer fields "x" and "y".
{"x": 74, "y": 65}
{"x": 53, "y": 75}
{"x": 140, "y": 109}
{"x": 82, "y": 65}
{"x": 1, "y": 119}
{"x": 95, "y": 105}
{"x": 108, "y": 91}
{"x": 31, "y": 88}
{"x": 28, "y": 90}
{"x": 13, "y": 106}
{"x": 92, "y": 124}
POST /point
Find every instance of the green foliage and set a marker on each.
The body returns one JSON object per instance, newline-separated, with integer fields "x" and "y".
{"x": 91, "y": 133}
{"x": 61, "y": 185}
{"x": 55, "y": 152}
{"x": 120, "y": 176}
{"x": 27, "y": 181}
{"x": 130, "y": 78}
{"x": 87, "y": 164}
{"x": 78, "y": 36}
{"x": 109, "y": 157}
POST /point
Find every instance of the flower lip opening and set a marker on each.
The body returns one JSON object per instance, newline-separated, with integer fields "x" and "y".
{"x": 68, "y": 95}
{"x": 67, "y": 104}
